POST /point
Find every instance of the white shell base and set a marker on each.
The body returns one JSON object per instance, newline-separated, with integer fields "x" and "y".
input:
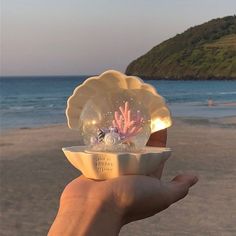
{"x": 106, "y": 165}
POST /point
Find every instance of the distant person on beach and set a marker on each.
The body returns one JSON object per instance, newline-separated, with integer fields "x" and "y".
{"x": 94, "y": 208}
{"x": 210, "y": 102}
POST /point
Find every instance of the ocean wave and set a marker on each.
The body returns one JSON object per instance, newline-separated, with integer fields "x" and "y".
{"x": 37, "y": 101}
{"x": 16, "y": 108}
{"x": 228, "y": 93}
{"x": 20, "y": 108}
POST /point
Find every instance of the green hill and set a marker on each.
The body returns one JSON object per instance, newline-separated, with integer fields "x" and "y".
{"x": 207, "y": 51}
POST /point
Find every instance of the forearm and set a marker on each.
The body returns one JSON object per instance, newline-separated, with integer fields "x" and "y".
{"x": 86, "y": 219}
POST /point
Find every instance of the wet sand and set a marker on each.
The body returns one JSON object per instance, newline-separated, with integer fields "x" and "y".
{"x": 34, "y": 172}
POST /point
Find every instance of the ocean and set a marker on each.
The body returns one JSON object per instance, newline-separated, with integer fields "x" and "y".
{"x": 36, "y": 101}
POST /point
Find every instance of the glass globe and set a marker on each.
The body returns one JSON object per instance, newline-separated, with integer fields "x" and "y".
{"x": 115, "y": 121}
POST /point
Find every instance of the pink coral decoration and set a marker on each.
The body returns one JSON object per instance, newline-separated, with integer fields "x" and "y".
{"x": 126, "y": 126}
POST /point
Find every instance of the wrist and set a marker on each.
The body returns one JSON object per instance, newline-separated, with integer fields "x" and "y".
{"x": 87, "y": 217}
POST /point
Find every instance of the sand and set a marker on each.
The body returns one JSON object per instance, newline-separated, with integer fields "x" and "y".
{"x": 34, "y": 172}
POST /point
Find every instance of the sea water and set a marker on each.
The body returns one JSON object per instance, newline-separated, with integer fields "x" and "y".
{"x": 35, "y": 101}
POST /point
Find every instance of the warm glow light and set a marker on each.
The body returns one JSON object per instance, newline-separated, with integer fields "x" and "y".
{"x": 94, "y": 122}
{"x": 159, "y": 124}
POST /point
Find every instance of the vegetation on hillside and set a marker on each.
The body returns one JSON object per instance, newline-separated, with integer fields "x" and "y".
{"x": 206, "y": 51}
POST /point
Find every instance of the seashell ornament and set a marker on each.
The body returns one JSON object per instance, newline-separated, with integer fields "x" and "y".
{"x": 116, "y": 114}
{"x": 112, "y": 138}
{"x": 100, "y": 135}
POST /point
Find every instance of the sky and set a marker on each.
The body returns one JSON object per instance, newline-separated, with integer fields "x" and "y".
{"x": 85, "y": 37}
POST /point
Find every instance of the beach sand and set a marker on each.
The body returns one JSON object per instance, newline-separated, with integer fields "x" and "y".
{"x": 34, "y": 172}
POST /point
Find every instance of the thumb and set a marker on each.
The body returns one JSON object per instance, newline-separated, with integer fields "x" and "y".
{"x": 180, "y": 185}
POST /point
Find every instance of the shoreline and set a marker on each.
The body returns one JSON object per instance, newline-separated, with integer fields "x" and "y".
{"x": 14, "y": 129}
{"x": 221, "y": 122}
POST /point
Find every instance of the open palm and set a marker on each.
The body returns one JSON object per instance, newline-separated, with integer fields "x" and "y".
{"x": 134, "y": 197}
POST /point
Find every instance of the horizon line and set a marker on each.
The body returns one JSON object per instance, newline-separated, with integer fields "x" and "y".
{"x": 20, "y": 76}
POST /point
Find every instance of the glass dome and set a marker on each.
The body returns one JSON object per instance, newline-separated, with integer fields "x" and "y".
{"x": 115, "y": 121}
{"x": 115, "y": 112}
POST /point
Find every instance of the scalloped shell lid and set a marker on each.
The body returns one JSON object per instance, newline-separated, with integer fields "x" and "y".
{"x": 110, "y": 82}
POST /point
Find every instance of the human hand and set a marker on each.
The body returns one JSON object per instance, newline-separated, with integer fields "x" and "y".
{"x": 103, "y": 207}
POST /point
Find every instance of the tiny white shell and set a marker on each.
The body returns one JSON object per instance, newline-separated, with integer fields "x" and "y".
{"x": 112, "y": 138}
{"x": 93, "y": 140}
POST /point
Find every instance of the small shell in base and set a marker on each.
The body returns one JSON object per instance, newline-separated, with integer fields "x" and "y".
{"x": 112, "y": 138}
